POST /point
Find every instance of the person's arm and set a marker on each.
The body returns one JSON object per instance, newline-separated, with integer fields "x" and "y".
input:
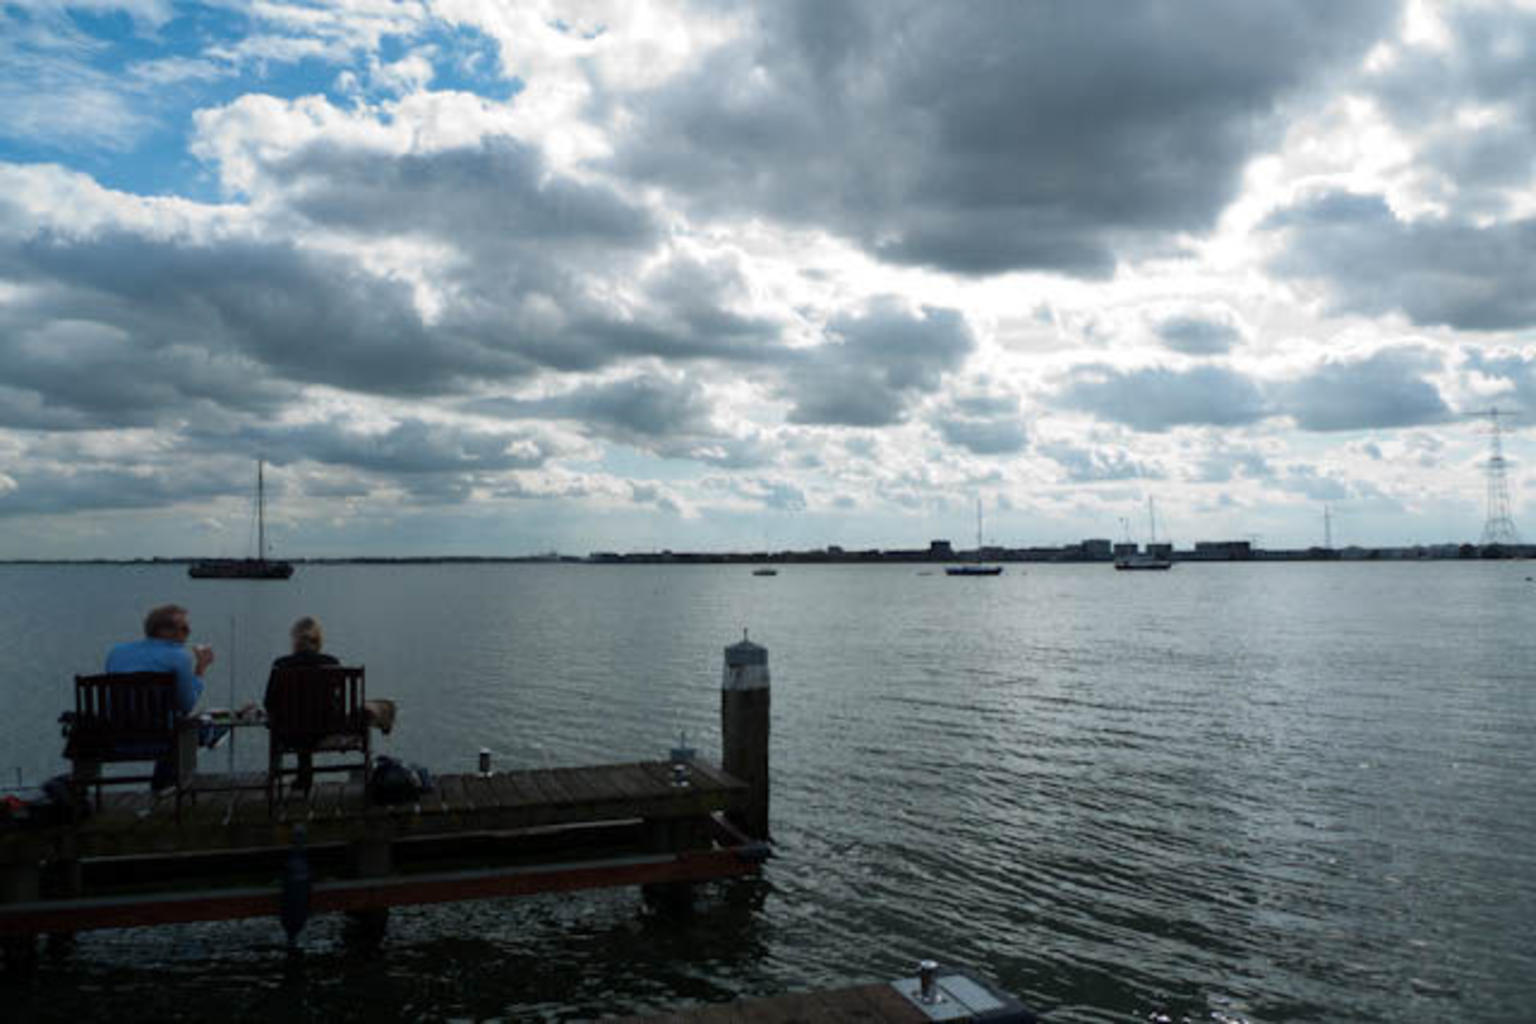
{"x": 188, "y": 686}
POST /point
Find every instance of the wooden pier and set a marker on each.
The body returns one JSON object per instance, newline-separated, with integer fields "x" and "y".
{"x": 957, "y": 997}
{"x": 470, "y": 837}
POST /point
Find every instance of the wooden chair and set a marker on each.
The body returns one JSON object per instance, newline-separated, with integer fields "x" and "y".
{"x": 315, "y": 710}
{"x": 128, "y": 717}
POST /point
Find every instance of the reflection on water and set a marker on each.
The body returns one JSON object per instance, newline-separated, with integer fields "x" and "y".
{"x": 1229, "y": 792}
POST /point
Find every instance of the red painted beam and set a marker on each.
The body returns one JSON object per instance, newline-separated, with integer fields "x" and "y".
{"x": 74, "y": 915}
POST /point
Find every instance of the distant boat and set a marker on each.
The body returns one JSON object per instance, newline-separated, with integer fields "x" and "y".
{"x": 765, "y": 572}
{"x": 258, "y": 568}
{"x": 975, "y": 568}
{"x": 1145, "y": 560}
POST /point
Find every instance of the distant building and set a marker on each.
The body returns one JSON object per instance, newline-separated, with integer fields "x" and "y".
{"x": 1097, "y": 548}
{"x": 1125, "y": 548}
{"x": 1160, "y": 550}
{"x": 1224, "y": 550}
{"x": 940, "y": 549}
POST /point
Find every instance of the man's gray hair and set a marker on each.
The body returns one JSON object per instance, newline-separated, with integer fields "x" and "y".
{"x": 163, "y": 619}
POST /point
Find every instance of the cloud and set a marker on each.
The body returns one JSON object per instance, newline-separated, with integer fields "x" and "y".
{"x": 83, "y": 374}
{"x": 1092, "y": 464}
{"x": 409, "y": 447}
{"x": 985, "y": 138}
{"x": 1222, "y": 466}
{"x": 1435, "y": 270}
{"x": 53, "y": 489}
{"x": 646, "y": 407}
{"x": 498, "y": 194}
{"x": 1200, "y": 335}
{"x": 982, "y": 423}
{"x": 303, "y": 315}
{"x": 1384, "y": 390}
{"x": 1157, "y": 398}
{"x": 1469, "y": 105}
{"x": 1518, "y": 368}
{"x": 873, "y": 362}
{"x": 779, "y": 495}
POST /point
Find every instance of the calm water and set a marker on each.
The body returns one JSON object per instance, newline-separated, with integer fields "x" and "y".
{"x": 1229, "y": 792}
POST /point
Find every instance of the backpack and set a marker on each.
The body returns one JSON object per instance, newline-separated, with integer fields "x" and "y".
{"x": 392, "y": 782}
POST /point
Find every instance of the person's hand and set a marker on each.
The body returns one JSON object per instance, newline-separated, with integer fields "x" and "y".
{"x": 204, "y": 655}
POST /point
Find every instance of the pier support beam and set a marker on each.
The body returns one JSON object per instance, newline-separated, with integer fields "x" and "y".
{"x": 744, "y": 707}
{"x": 371, "y": 858}
{"x": 19, "y": 883}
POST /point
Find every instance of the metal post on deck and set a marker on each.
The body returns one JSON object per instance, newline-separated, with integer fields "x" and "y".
{"x": 744, "y": 707}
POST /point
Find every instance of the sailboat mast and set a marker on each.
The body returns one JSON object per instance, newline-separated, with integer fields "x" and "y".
{"x": 261, "y": 516}
{"x": 1151, "y": 520}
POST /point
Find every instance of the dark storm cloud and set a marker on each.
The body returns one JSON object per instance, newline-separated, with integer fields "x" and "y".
{"x": 986, "y": 137}
{"x": 1198, "y": 336}
{"x": 1435, "y": 270}
{"x": 44, "y": 489}
{"x": 648, "y": 406}
{"x": 304, "y": 316}
{"x": 873, "y": 362}
{"x": 540, "y": 254}
{"x": 1158, "y": 398}
{"x": 494, "y": 194}
{"x": 79, "y": 374}
{"x": 1485, "y": 63}
{"x": 1384, "y": 390}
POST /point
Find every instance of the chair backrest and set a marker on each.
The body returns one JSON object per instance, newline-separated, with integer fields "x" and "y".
{"x": 307, "y": 704}
{"x": 127, "y": 705}
{"x": 123, "y": 716}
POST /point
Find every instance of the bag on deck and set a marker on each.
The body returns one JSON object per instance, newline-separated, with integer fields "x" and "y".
{"x": 391, "y": 782}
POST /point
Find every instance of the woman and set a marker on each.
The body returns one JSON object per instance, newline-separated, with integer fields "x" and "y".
{"x": 307, "y": 638}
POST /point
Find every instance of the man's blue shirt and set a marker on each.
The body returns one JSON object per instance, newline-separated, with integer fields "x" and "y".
{"x": 155, "y": 655}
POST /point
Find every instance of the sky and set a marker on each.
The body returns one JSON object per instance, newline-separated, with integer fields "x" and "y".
{"x": 502, "y": 278}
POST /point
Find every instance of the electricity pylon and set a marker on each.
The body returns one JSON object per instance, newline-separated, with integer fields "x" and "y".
{"x": 1499, "y": 527}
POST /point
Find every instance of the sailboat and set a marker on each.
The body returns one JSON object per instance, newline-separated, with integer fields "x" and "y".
{"x": 1145, "y": 559}
{"x": 975, "y": 568}
{"x": 258, "y": 568}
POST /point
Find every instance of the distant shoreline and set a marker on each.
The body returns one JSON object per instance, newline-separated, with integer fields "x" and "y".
{"x": 1088, "y": 552}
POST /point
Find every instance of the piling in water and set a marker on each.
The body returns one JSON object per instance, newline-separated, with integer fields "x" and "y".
{"x": 744, "y": 708}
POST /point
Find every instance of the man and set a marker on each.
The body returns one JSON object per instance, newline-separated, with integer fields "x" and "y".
{"x": 164, "y": 649}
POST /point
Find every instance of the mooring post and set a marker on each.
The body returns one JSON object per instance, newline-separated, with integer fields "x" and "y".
{"x": 744, "y": 705}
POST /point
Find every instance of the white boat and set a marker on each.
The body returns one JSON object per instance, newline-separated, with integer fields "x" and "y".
{"x": 975, "y": 568}
{"x": 1145, "y": 560}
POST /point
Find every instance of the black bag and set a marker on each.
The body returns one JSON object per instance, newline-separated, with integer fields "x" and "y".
{"x": 394, "y": 783}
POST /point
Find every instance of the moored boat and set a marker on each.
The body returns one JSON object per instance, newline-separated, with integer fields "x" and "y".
{"x": 258, "y": 568}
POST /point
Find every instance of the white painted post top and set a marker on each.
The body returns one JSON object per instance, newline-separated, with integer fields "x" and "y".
{"x": 746, "y": 667}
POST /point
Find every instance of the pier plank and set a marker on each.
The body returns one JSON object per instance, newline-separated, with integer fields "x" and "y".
{"x": 221, "y": 818}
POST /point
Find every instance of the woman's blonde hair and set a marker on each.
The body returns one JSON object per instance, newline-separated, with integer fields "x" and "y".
{"x": 307, "y": 635}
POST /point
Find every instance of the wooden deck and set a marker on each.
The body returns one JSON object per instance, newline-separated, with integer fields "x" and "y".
{"x": 472, "y": 836}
